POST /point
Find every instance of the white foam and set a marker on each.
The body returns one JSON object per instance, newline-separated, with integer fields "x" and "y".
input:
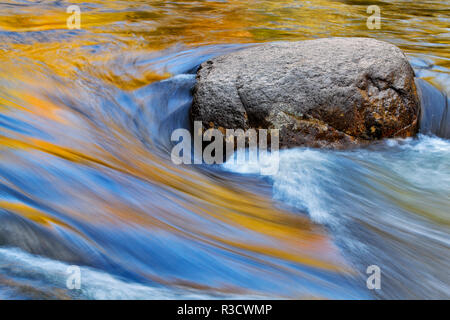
{"x": 95, "y": 284}
{"x": 294, "y": 182}
{"x": 320, "y": 181}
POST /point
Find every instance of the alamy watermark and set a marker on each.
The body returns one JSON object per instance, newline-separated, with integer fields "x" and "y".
{"x": 73, "y": 281}
{"x": 374, "y": 21}
{"x": 374, "y": 280}
{"x": 74, "y": 20}
{"x": 223, "y": 144}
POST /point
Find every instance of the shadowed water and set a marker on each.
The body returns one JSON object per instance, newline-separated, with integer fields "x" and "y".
{"x": 86, "y": 176}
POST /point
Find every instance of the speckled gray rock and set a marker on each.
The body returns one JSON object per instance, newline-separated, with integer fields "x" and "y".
{"x": 334, "y": 92}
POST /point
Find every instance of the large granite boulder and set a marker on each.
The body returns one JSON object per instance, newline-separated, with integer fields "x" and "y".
{"x": 336, "y": 92}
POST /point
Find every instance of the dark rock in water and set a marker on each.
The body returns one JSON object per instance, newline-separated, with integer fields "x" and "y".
{"x": 18, "y": 232}
{"x": 335, "y": 92}
{"x": 434, "y": 115}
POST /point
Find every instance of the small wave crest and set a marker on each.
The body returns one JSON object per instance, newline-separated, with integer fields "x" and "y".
{"x": 40, "y": 278}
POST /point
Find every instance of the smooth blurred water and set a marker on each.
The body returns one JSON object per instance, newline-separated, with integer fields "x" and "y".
{"x": 86, "y": 177}
{"x": 386, "y": 206}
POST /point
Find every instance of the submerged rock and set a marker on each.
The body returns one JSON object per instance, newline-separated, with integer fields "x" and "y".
{"x": 335, "y": 92}
{"x": 18, "y": 232}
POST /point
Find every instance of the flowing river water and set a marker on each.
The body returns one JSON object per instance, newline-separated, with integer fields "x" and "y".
{"x": 86, "y": 177}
